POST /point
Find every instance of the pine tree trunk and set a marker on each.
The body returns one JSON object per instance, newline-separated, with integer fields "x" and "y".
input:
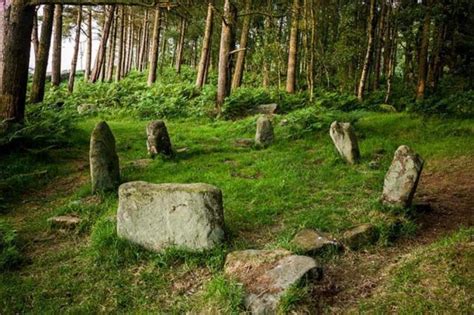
{"x": 77, "y": 41}
{"x": 57, "y": 41}
{"x": 164, "y": 42}
{"x": 118, "y": 73}
{"x": 206, "y": 46}
{"x": 155, "y": 47}
{"x": 240, "y": 63}
{"x": 379, "y": 45}
{"x": 392, "y": 37}
{"x": 422, "y": 63}
{"x": 16, "y": 24}
{"x": 180, "y": 48}
{"x": 368, "y": 55}
{"x": 34, "y": 34}
{"x": 100, "y": 59}
{"x": 141, "y": 56}
{"x": 266, "y": 60}
{"x": 226, "y": 46}
{"x": 111, "y": 58}
{"x": 293, "y": 49}
{"x": 41, "y": 63}
{"x": 87, "y": 72}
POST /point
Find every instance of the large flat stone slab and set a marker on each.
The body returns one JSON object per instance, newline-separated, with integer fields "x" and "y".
{"x": 157, "y": 216}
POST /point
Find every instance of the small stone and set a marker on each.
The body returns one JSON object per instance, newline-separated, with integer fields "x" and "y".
{"x": 345, "y": 140}
{"x": 244, "y": 142}
{"x": 86, "y": 108}
{"x": 402, "y": 178}
{"x": 182, "y": 150}
{"x": 360, "y": 236}
{"x": 266, "y": 109}
{"x": 158, "y": 216}
{"x": 158, "y": 140}
{"x": 264, "y": 135}
{"x": 284, "y": 122}
{"x": 104, "y": 162}
{"x": 67, "y": 222}
{"x": 374, "y": 165}
{"x": 267, "y": 274}
{"x": 313, "y": 242}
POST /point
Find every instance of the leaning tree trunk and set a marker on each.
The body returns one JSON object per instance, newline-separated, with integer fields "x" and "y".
{"x": 422, "y": 63}
{"x": 225, "y": 65}
{"x": 87, "y": 72}
{"x": 155, "y": 47}
{"x": 206, "y": 46}
{"x": 72, "y": 73}
{"x": 16, "y": 24}
{"x": 41, "y": 63}
{"x": 57, "y": 40}
{"x": 99, "y": 61}
{"x": 368, "y": 55}
{"x": 180, "y": 48}
{"x": 240, "y": 63}
{"x": 293, "y": 50}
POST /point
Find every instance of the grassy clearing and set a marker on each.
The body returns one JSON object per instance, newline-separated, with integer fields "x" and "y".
{"x": 299, "y": 182}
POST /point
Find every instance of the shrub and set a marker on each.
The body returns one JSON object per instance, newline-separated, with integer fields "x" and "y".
{"x": 10, "y": 256}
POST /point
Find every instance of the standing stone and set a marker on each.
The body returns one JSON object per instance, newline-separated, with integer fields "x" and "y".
{"x": 266, "y": 275}
{"x": 104, "y": 162}
{"x": 402, "y": 178}
{"x": 345, "y": 140}
{"x": 157, "y": 216}
{"x": 158, "y": 140}
{"x": 264, "y": 134}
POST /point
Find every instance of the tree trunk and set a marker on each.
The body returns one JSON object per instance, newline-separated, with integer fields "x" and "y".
{"x": 293, "y": 49}
{"x": 99, "y": 61}
{"x": 41, "y": 63}
{"x": 87, "y": 72}
{"x": 240, "y": 63}
{"x": 118, "y": 73}
{"x": 266, "y": 60}
{"x": 72, "y": 73}
{"x": 111, "y": 58}
{"x": 57, "y": 41}
{"x": 155, "y": 47}
{"x": 142, "y": 49}
{"x": 16, "y": 24}
{"x": 163, "y": 42}
{"x": 422, "y": 63}
{"x": 392, "y": 62}
{"x": 379, "y": 45}
{"x": 206, "y": 46}
{"x": 368, "y": 55}
{"x": 226, "y": 46}
{"x": 34, "y": 35}
{"x": 180, "y": 47}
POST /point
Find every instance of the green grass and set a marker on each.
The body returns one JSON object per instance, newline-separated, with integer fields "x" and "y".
{"x": 299, "y": 182}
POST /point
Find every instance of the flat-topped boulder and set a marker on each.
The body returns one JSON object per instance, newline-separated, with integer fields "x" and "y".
{"x": 312, "y": 242}
{"x": 267, "y": 274}
{"x": 266, "y": 109}
{"x": 104, "y": 161}
{"x": 158, "y": 140}
{"x": 345, "y": 140}
{"x": 360, "y": 236}
{"x": 158, "y": 216}
{"x": 67, "y": 222}
{"x": 402, "y": 178}
{"x": 264, "y": 135}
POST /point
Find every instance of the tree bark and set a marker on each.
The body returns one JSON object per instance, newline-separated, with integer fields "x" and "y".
{"x": 87, "y": 72}
{"x": 41, "y": 63}
{"x": 57, "y": 41}
{"x": 293, "y": 49}
{"x": 34, "y": 35}
{"x": 380, "y": 44}
{"x": 206, "y": 46}
{"x": 99, "y": 61}
{"x": 226, "y": 45}
{"x": 240, "y": 63}
{"x": 180, "y": 48}
{"x": 118, "y": 73}
{"x": 111, "y": 58}
{"x": 142, "y": 49}
{"x": 77, "y": 38}
{"x": 155, "y": 47}
{"x": 368, "y": 55}
{"x": 422, "y": 62}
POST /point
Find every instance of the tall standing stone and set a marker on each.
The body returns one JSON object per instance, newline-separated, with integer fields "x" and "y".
{"x": 345, "y": 140}
{"x": 104, "y": 162}
{"x": 402, "y": 178}
{"x": 264, "y": 135}
{"x": 158, "y": 140}
{"x": 157, "y": 216}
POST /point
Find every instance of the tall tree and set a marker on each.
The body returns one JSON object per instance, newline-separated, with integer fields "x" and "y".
{"x": 77, "y": 41}
{"x": 240, "y": 63}
{"x": 41, "y": 63}
{"x": 34, "y": 34}
{"x": 180, "y": 47}
{"x": 368, "y": 55}
{"x": 100, "y": 58}
{"x": 121, "y": 45}
{"x": 206, "y": 46}
{"x": 87, "y": 71}
{"x": 293, "y": 49}
{"x": 423, "y": 55}
{"x": 57, "y": 41}
{"x": 155, "y": 47}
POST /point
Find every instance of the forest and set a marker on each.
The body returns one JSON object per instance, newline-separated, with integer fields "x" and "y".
{"x": 236, "y": 156}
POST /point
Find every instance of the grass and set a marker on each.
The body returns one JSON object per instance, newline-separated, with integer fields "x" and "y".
{"x": 270, "y": 194}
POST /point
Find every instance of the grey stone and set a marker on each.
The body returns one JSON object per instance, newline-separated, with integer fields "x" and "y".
{"x": 266, "y": 109}
{"x": 402, "y": 178}
{"x": 374, "y": 164}
{"x": 158, "y": 140}
{"x": 244, "y": 142}
{"x": 67, "y": 222}
{"x": 345, "y": 140}
{"x": 266, "y": 275}
{"x": 157, "y": 216}
{"x": 360, "y": 236}
{"x": 86, "y": 108}
{"x": 313, "y": 242}
{"x": 104, "y": 162}
{"x": 264, "y": 135}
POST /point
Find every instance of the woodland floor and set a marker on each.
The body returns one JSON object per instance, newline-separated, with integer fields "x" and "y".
{"x": 353, "y": 281}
